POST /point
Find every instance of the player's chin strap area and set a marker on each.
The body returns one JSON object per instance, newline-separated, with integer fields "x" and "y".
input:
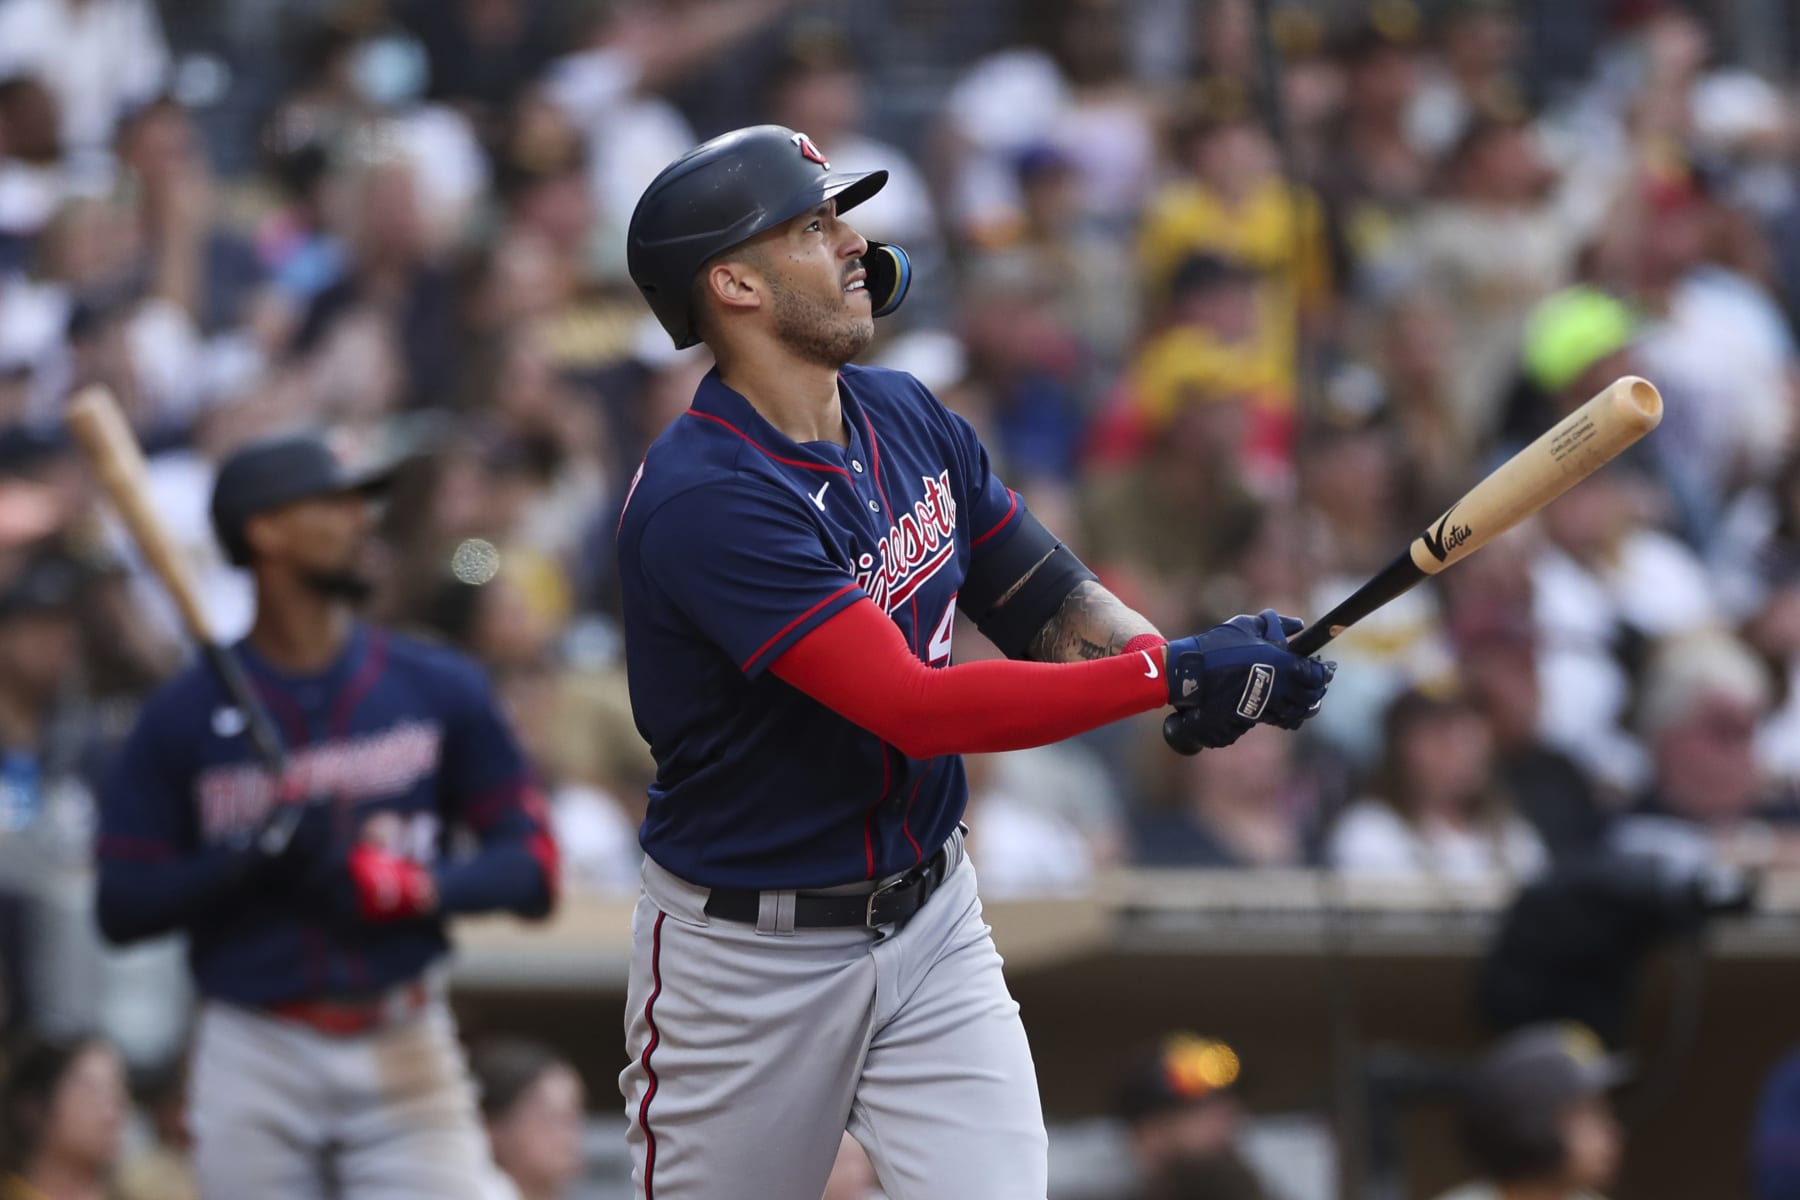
{"x": 890, "y": 274}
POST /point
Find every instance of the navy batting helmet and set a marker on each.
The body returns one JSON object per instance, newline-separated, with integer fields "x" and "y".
{"x": 725, "y": 192}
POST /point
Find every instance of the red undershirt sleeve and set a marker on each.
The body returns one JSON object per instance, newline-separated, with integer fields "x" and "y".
{"x": 858, "y": 664}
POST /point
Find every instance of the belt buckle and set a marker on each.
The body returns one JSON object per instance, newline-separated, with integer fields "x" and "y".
{"x": 892, "y": 885}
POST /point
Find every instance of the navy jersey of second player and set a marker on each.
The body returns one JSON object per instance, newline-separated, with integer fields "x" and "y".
{"x": 403, "y": 737}
{"x": 735, "y": 543}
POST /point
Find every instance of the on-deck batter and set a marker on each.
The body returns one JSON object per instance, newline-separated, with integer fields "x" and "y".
{"x": 325, "y": 1063}
{"x": 809, "y": 953}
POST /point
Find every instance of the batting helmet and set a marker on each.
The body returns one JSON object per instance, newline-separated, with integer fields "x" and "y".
{"x": 726, "y": 191}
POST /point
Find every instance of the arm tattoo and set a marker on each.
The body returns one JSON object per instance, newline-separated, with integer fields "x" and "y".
{"x": 1092, "y": 623}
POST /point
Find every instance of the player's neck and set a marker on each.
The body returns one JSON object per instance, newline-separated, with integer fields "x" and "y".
{"x": 798, "y": 398}
{"x": 303, "y": 633}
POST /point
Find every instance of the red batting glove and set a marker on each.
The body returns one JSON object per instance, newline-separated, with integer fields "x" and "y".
{"x": 390, "y": 887}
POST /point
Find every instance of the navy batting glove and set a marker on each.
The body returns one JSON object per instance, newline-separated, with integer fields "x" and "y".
{"x": 1240, "y": 674}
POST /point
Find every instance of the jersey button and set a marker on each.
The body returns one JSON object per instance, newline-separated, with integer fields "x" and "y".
{"x": 874, "y": 507}
{"x": 856, "y": 466}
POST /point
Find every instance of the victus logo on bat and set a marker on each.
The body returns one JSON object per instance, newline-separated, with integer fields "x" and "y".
{"x": 1446, "y": 537}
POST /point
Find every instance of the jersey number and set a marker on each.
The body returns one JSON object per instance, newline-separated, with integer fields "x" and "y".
{"x": 937, "y": 651}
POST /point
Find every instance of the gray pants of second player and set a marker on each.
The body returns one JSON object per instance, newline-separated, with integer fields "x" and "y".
{"x": 280, "y": 1110}
{"x": 753, "y": 1051}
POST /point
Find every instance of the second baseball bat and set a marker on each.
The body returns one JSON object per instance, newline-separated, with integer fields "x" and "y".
{"x": 106, "y": 438}
{"x": 1571, "y": 450}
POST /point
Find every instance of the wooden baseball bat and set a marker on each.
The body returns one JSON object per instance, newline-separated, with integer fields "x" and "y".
{"x": 1571, "y": 450}
{"x": 104, "y": 435}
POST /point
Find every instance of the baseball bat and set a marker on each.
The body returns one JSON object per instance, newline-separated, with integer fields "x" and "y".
{"x": 102, "y": 432}
{"x": 1571, "y": 450}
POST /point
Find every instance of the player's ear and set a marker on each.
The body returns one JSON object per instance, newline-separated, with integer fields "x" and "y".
{"x": 262, "y": 533}
{"x": 735, "y": 283}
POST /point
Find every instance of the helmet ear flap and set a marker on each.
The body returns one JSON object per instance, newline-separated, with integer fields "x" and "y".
{"x": 890, "y": 274}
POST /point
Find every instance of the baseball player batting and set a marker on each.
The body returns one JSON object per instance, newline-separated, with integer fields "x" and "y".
{"x": 809, "y": 952}
{"x": 325, "y": 1063}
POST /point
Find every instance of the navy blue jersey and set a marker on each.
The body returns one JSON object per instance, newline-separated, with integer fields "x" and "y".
{"x": 735, "y": 543}
{"x": 403, "y": 740}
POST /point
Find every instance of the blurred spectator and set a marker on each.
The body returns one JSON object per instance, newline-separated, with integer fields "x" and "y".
{"x": 62, "y": 1120}
{"x": 1497, "y": 661}
{"x": 1159, "y": 529}
{"x": 1471, "y": 74}
{"x": 1230, "y": 199}
{"x": 482, "y": 53}
{"x": 1716, "y": 340}
{"x": 33, "y": 182}
{"x": 1024, "y": 367}
{"x": 208, "y": 274}
{"x": 1704, "y": 698}
{"x": 533, "y": 1105}
{"x": 394, "y": 302}
{"x": 852, "y": 1176}
{"x": 1373, "y": 174}
{"x": 1497, "y": 239}
{"x": 816, "y": 84}
{"x": 1021, "y": 846}
{"x": 162, "y": 1170}
{"x": 1065, "y": 86}
{"x": 1535, "y": 1119}
{"x": 1775, "y": 1144}
{"x": 1179, "y": 1101}
{"x": 46, "y": 733}
{"x": 1064, "y": 248}
{"x": 101, "y": 57}
{"x": 1351, "y": 490}
{"x": 1435, "y": 811}
{"x": 1605, "y": 585}
{"x": 1250, "y": 808}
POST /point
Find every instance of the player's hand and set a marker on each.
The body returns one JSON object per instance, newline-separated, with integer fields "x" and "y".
{"x": 389, "y": 886}
{"x": 1236, "y": 675}
{"x": 288, "y": 844}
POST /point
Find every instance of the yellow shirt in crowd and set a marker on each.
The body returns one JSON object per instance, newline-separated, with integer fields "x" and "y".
{"x": 1277, "y": 230}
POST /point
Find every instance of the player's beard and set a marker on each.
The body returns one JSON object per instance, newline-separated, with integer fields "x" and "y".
{"x": 817, "y": 330}
{"x": 342, "y": 583}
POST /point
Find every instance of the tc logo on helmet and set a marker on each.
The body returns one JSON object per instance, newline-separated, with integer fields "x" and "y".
{"x": 809, "y": 151}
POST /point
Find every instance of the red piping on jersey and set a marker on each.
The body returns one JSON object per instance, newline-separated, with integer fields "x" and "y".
{"x": 906, "y": 822}
{"x": 344, "y": 707}
{"x": 792, "y": 462}
{"x": 887, "y": 772}
{"x": 875, "y": 470}
{"x": 485, "y": 809}
{"x": 857, "y": 664}
{"x": 650, "y": 1048}
{"x": 783, "y": 631}
{"x": 1010, "y": 510}
{"x": 134, "y": 849}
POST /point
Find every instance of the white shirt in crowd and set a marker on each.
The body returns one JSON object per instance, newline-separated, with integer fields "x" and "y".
{"x": 100, "y": 58}
{"x": 1371, "y": 838}
{"x": 1657, "y": 587}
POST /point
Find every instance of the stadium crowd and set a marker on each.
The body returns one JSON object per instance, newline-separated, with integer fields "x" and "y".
{"x": 1236, "y": 335}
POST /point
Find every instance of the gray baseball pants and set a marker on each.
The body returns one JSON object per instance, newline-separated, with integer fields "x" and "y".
{"x": 281, "y": 1110}
{"x": 754, "y": 1047}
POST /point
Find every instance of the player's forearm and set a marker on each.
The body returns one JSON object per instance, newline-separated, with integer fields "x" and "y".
{"x": 858, "y": 665}
{"x": 1092, "y": 623}
{"x": 518, "y": 877}
{"x": 138, "y": 900}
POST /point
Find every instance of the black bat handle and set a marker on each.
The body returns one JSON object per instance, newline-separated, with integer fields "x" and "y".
{"x": 1395, "y": 579}
{"x": 279, "y": 831}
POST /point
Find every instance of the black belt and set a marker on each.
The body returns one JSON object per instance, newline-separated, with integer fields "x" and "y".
{"x": 894, "y": 903}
